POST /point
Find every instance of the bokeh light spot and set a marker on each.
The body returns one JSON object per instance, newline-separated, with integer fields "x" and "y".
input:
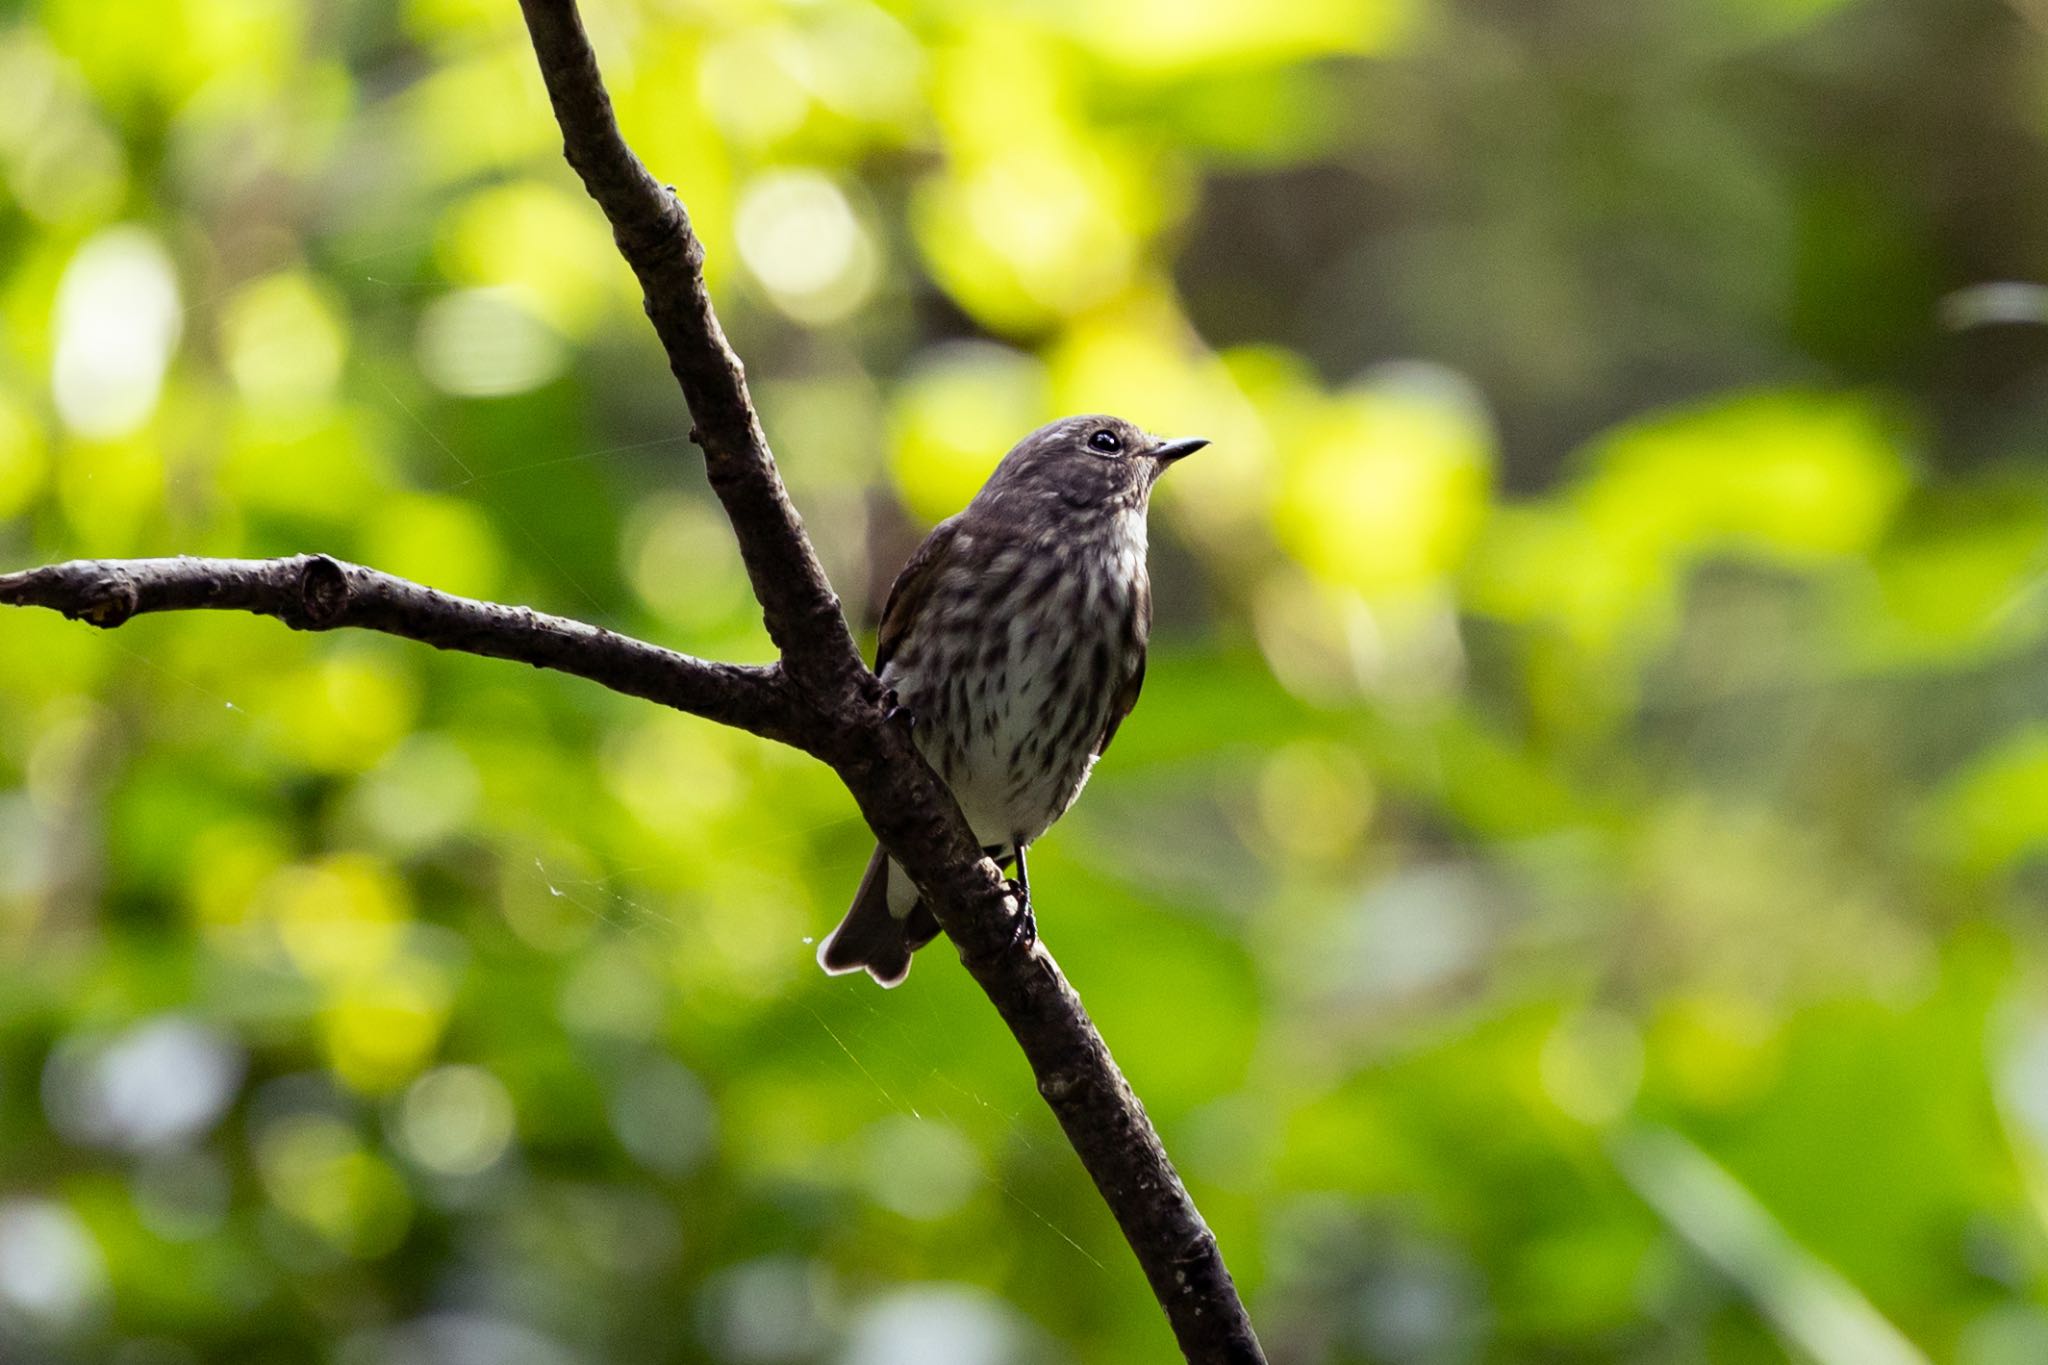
{"x": 51, "y": 1270}
{"x": 159, "y": 1083}
{"x": 956, "y": 415}
{"x": 664, "y": 1117}
{"x": 802, "y": 241}
{"x": 920, "y": 1168}
{"x": 486, "y": 343}
{"x": 456, "y": 1120}
{"x": 118, "y": 320}
{"x": 285, "y": 340}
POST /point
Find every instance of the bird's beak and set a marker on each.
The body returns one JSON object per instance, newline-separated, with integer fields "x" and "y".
{"x": 1166, "y": 452}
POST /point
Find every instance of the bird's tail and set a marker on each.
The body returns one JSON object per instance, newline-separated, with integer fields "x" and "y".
{"x": 874, "y": 934}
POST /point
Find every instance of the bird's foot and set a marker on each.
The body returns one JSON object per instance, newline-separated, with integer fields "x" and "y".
{"x": 897, "y": 713}
{"x": 1024, "y": 925}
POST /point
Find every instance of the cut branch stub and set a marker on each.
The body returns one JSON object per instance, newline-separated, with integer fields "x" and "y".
{"x": 323, "y": 592}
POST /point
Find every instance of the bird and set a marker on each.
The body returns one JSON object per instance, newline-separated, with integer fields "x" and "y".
{"x": 1013, "y": 645}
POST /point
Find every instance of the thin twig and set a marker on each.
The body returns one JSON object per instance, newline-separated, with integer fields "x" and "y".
{"x": 314, "y": 592}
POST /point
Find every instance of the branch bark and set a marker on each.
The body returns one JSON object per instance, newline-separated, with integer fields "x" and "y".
{"x": 820, "y": 697}
{"x": 653, "y": 233}
{"x": 315, "y": 592}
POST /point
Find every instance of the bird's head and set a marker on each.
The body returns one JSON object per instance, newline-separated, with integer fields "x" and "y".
{"x": 1093, "y": 462}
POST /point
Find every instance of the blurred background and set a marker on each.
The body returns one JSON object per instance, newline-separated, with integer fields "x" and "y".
{"x": 1573, "y": 888}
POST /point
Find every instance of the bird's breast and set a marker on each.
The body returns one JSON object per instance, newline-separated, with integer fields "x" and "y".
{"x": 1012, "y": 671}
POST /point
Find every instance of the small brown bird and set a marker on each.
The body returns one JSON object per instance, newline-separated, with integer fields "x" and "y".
{"x": 1014, "y": 643}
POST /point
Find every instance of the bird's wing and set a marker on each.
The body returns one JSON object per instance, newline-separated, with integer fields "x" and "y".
{"x": 912, "y": 586}
{"x": 1127, "y": 693}
{"x": 1121, "y": 704}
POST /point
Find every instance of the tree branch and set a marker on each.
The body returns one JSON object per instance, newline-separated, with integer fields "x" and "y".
{"x": 314, "y": 592}
{"x": 826, "y": 703}
{"x": 653, "y": 233}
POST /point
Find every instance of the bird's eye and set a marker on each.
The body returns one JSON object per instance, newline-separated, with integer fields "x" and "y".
{"x": 1108, "y": 442}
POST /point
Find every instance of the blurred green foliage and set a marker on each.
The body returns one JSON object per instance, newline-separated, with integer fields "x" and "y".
{"x": 1574, "y": 887}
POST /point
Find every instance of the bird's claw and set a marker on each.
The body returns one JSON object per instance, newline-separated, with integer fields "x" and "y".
{"x": 1024, "y": 926}
{"x": 898, "y": 713}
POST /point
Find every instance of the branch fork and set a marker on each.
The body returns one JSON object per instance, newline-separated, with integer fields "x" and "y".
{"x": 819, "y": 696}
